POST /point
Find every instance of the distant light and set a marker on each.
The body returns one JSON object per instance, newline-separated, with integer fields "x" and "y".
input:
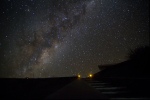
{"x": 90, "y": 75}
{"x": 79, "y": 76}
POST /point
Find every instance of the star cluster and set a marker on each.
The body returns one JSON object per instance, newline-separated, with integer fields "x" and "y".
{"x": 55, "y": 38}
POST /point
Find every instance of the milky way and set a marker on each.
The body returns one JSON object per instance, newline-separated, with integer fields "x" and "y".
{"x": 55, "y": 38}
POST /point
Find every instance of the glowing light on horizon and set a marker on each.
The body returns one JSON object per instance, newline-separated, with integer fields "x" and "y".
{"x": 90, "y": 75}
{"x": 79, "y": 76}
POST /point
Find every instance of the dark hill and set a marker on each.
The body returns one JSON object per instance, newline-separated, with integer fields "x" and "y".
{"x": 136, "y": 67}
{"x": 30, "y": 88}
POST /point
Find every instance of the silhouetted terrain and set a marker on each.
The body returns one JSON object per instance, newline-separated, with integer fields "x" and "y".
{"x": 134, "y": 73}
{"x": 137, "y": 66}
{"x": 25, "y": 89}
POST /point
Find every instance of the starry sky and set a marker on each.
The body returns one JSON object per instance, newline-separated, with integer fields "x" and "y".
{"x": 59, "y": 38}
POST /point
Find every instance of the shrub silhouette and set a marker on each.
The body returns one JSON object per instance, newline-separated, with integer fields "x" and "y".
{"x": 137, "y": 65}
{"x": 140, "y": 55}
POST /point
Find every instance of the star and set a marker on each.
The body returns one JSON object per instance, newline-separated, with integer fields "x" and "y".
{"x": 68, "y": 37}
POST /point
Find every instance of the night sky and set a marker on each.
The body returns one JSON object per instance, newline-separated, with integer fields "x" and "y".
{"x": 58, "y": 38}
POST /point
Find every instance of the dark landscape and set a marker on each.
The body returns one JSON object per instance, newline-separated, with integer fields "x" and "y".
{"x": 74, "y": 49}
{"x": 29, "y": 88}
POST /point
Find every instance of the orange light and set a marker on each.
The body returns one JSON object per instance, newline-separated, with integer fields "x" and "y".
{"x": 90, "y": 75}
{"x": 79, "y": 76}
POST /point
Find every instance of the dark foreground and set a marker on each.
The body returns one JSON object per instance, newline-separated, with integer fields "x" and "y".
{"x": 75, "y": 88}
{"x": 25, "y": 89}
{"x": 123, "y": 88}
